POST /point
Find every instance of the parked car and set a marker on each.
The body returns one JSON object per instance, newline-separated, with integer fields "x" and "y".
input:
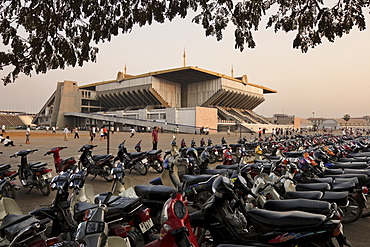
{"x": 21, "y": 127}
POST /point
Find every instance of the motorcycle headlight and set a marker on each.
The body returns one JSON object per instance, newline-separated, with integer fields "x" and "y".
{"x": 180, "y": 209}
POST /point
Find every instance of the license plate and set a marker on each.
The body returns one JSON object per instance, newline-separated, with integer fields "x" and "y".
{"x": 146, "y": 225}
{"x": 145, "y": 160}
{"x": 47, "y": 176}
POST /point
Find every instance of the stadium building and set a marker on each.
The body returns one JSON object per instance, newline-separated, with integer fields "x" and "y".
{"x": 185, "y": 97}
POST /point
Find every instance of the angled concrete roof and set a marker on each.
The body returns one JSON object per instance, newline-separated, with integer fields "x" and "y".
{"x": 187, "y": 74}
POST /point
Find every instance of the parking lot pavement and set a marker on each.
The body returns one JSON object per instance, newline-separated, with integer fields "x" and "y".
{"x": 356, "y": 232}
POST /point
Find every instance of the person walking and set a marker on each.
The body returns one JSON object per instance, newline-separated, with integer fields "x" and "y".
{"x": 132, "y": 130}
{"x": 76, "y": 133}
{"x": 3, "y": 129}
{"x": 65, "y": 132}
{"x": 155, "y": 137}
{"x": 28, "y": 132}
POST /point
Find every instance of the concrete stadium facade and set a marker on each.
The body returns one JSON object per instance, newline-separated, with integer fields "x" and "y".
{"x": 188, "y": 97}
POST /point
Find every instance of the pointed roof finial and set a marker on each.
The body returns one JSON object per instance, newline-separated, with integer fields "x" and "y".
{"x": 232, "y": 71}
{"x": 184, "y": 58}
{"x": 125, "y": 70}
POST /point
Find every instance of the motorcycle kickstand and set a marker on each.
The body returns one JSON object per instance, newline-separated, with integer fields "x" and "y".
{"x": 30, "y": 189}
{"x": 94, "y": 177}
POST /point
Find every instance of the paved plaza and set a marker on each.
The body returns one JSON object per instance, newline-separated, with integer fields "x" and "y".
{"x": 356, "y": 232}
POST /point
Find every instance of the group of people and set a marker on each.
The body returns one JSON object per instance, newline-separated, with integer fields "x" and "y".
{"x": 6, "y": 141}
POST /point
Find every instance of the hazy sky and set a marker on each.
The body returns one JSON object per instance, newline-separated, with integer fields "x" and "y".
{"x": 331, "y": 80}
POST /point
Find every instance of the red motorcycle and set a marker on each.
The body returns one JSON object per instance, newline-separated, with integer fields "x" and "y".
{"x": 176, "y": 229}
{"x": 228, "y": 157}
{"x": 61, "y": 165}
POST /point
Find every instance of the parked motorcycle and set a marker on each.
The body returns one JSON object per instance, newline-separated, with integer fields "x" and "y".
{"x": 9, "y": 188}
{"x": 154, "y": 158}
{"x": 96, "y": 164}
{"x": 132, "y": 161}
{"x": 33, "y": 175}
{"x": 23, "y": 230}
{"x": 176, "y": 229}
{"x": 61, "y": 165}
{"x": 227, "y": 220}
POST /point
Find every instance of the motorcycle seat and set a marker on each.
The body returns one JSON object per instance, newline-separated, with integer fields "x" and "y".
{"x": 154, "y": 152}
{"x": 229, "y": 167}
{"x": 339, "y": 198}
{"x": 294, "y": 154}
{"x": 12, "y": 219}
{"x": 193, "y": 179}
{"x": 313, "y": 186}
{"x": 134, "y": 155}
{"x": 100, "y": 157}
{"x": 353, "y": 160}
{"x": 67, "y": 160}
{"x": 357, "y": 165}
{"x": 33, "y": 163}
{"x": 154, "y": 192}
{"x": 226, "y": 172}
{"x": 362, "y": 178}
{"x": 322, "y": 180}
{"x": 38, "y": 165}
{"x": 235, "y": 146}
{"x": 343, "y": 180}
{"x": 313, "y": 195}
{"x": 333, "y": 171}
{"x": 362, "y": 154}
{"x": 4, "y": 167}
{"x": 343, "y": 186}
{"x": 289, "y": 219}
{"x": 357, "y": 171}
{"x": 306, "y": 205}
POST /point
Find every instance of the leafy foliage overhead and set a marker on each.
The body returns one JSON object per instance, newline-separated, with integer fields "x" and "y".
{"x": 40, "y": 35}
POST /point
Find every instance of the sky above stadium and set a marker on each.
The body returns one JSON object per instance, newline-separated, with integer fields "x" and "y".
{"x": 330, "y": 80}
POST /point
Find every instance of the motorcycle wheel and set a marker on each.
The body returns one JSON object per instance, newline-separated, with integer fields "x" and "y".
{"x": 8, "y": 190}
{"x": 212, "y": 158}
{"x": 141, "y": 168}
{"x": 158, "y": 166}
{"x": 22, "y": 176}
{"x": 353, "y": 211}
{"x": 366, "y": 211}
{"x": 44, "y": 187}
{"x": 107, "y": 170}
{"x": 220, "y": 158}
{"x": 79, "y": 165}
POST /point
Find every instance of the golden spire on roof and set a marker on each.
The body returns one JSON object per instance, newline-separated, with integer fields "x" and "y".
{"x": 232, "y": 71}
{"x": 184, "y": 58}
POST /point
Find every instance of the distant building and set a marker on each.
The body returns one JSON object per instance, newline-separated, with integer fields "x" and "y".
{"x": 187, "y": 96}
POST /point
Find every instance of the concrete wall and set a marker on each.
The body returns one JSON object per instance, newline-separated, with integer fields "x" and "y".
{"x": 68, "y": 99}
{"x": 199, "y": 92}
{"x": 170, "y": 91}
{"x": 206, "y": 117}
{"x": 186, "y": 116}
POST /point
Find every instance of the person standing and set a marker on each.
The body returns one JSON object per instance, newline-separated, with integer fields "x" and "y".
{"x": 101, "y": 133}
{"x": 76, "y": 133}
{"x": 28, "y": 132}
{"x": 53, "y": 129}
{"x": 3, "y": 129}
{"x": 91, "y": 136}
{"x": 155, "y": 137}
{"x": 65, "y": 132}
